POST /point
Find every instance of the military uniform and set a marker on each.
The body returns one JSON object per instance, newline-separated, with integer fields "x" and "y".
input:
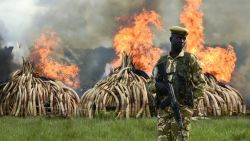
{"x": 186, "y": 76}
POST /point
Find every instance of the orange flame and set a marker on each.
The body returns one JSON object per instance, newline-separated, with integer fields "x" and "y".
{"x": 137, "y": 40}
{"x": 47, "y": 67}
{"x": 218, "y": 61}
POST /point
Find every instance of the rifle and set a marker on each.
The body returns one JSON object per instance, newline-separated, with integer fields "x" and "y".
{"x": 166, "y": 87}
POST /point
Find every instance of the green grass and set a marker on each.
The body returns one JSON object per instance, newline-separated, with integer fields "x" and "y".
{"x": 221, "y": 129}
{"x": 45, "y": 129}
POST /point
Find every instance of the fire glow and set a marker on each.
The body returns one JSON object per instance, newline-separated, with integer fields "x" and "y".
{"x": 47, "y": 67}
{"x": 217, "y": 61}
{"x": 137, "y": 41}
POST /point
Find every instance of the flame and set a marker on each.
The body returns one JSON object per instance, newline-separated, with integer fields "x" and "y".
{"x": 218, "y": 61}
{"x": 45, "y": 66}
{"x": 136, "y": 39}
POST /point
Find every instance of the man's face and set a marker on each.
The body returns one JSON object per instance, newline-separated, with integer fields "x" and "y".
{"x": 178, "y": 42}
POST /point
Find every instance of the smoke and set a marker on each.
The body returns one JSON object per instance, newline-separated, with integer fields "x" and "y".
{"x": 90, "y": 24}
{"x": 92, "y": 64}
{"x": 226, "y": 22}
{"x": 1, "y": 41}
{"x": 16, "y": 17}
{"x": 83, "y": 23}
{"x": 241, "y": 79}
{"x": 6, "y": 61}
{"x": 15, "y": 21}
{"x": 6, "y": 64}
{"x": 3, "y": 31}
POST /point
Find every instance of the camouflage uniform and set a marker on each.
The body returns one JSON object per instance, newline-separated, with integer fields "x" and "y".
{"x": 188, "y": 82}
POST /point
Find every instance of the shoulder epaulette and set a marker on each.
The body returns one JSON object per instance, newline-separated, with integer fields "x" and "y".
{"x": 189, "y": 58}
{"x": 187, "y": 54}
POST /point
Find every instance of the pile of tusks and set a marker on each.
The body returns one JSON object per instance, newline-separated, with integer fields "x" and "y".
{"x": 123, "y": 93}
{"x": 26, "y": 94}
{"x": 220, "y": 99}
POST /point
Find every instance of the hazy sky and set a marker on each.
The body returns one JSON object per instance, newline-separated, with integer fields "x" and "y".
{"x": 224, "y": 21}
{"x": 16, "y": 16}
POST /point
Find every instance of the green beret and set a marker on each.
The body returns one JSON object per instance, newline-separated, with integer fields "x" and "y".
{"x": 179, "y": 30}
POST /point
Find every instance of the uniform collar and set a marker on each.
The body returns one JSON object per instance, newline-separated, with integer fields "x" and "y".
{"x": 181, "y": 54}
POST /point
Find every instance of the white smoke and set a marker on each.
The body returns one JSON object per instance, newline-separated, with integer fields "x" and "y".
{"x": 17, "y": 18}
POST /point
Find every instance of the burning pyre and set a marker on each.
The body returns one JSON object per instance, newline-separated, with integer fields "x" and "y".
{"x": 38, "y": 90}
{"x": 26, "y": 94}
{"x": 46, "y": 48}
{"x": 220, "y": 98}
{"x": 124, "y": 92}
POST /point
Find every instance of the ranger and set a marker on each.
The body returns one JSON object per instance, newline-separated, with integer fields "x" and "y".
{"x": 187, "y": 81}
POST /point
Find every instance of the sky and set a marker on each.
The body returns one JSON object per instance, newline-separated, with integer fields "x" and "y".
{"x": 19, "y": 18}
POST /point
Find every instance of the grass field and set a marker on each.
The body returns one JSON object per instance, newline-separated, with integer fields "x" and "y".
{"x": 45, "y": 129}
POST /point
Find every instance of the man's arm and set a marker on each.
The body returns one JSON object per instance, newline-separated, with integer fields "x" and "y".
{"x": 198, "y": 79}
{"x": 152, "y": 81}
